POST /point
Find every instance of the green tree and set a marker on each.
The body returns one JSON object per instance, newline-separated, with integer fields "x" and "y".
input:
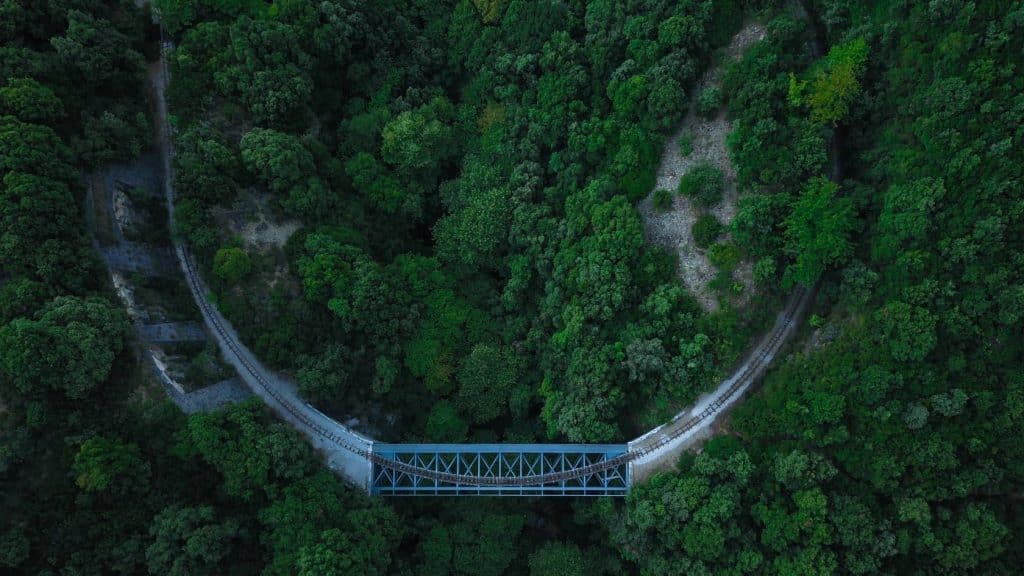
{"x": 324, "y": 376}
{"x": 231, "y": 264}
{"x": 484, "y": 542}
{"x": 419, "y": 139}
{"x": 486, "y": 380}
{"x": 20, "y": 297}
{"x": 268, "y": 68}
{"x": 35, "y": 150}
{"x": 757, "y": 226}
{"x": 662, "y": 200}
{"x": 385, "y": 192}
{"x": 818, "y": 231}
{"x": 837, "y": 84}
{"x": 103, "y": 464}
{"x": 69, "y": 347}
{"x": 116, "y": 134}
{"x": 444, "y": 423}
{"x": 30, "y": 101}
{"x": 278, "y": 159}
{"x": 436, "y": 548}
{"x": 709, "y": 101}
{"x": 207, "y": 168}
{"x": 474, "y": 233}
{"x": 338, "y": 553}
{"x": 14, "y": 548}
{"x": 318, "y": 526}
{"x": 692, "y": 517}
{"x": 98, "y": 52}
{"x": 37, "y": 218}
{"x": 189, "y": 541}
{"x": 253, "y": 455}
{"x": 706, "y": 230}
{"x": 909, "y": 330}
{"x": 557, "y": 559}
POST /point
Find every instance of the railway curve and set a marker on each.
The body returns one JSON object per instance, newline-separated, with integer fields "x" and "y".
{"x": 352, "y": 454}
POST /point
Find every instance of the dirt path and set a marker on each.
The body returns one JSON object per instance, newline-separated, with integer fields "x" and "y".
{"x": 672, "y": 229}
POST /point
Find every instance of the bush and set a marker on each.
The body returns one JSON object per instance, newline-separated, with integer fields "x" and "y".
{"x": 709, "y": 101}
{"x": 662, "y": 200}
{"x": 725, "y": 257}
{"x": 704, "y": 184}
{"x": 706, "y": 230}
{"x": 231, "y": 264}
{"x": 765, "y": 271}
{"x": 685, "y": 144}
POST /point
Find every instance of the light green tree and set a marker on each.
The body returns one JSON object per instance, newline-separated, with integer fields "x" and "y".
{"x": 818, "y": 231}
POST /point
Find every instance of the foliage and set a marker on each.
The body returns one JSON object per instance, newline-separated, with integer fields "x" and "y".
{"x": 486, "y": 380}
{"x": 68, "y": 347}
{"x": 467, "y": 176}
{"x": 278, "y": 159}
{"x": 102, "y": 464}
{"x": 419, "y": 139}
{"x": 444, "y": 423}
{"x": 685, "y": 144}
{"x": 662, "y": 200}
{"x": 30, "y": 101}
{"x": 325, "y": 375}
{"x": 189, "y": 541}
{"x": 231, "y": 264}
{"x": 704, "y": 183}
{"x": 706, "y": 230}
{"x": 837, "y": 85}
{"x": 709, "y": 101}
{"x": 558, "y": 559}
{"x": 818, "y": 231}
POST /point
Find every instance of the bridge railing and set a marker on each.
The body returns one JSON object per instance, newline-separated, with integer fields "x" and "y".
{"x": 500, "y": 469}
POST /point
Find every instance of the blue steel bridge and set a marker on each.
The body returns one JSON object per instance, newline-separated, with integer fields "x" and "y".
{"x": 500, "y": 469}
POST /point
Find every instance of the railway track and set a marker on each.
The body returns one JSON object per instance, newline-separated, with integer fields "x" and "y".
{"x": 752, "y": 369}
{"x": 298, "y": 412}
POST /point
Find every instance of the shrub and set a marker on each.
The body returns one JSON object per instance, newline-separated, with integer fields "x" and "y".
{"x": 765, "y": 271}
{"x": 231, "y": 264}
{"x": 662, "y": 200}
{"x": 706, "y": 230}
{"x": 685, "y": 144}
{"x": 709, "y": 101}
{"x": 725, "y": 257}
{"x": 704, "y": 183}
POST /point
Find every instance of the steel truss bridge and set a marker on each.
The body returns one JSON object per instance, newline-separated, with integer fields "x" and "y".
{"x": 500, "y": 469}
{"x": 465, "y": 469}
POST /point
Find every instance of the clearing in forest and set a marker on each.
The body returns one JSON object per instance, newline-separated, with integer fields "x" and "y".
{"x": 673, "y": 228}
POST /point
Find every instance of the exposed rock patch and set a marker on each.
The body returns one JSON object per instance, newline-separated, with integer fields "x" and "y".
{"x": 672, "y": 229}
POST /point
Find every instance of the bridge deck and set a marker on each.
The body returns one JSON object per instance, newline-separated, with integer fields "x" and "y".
{"x": 498, "y": 469}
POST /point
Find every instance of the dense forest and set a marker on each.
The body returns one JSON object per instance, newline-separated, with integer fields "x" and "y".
{"x": 468, "y": 263}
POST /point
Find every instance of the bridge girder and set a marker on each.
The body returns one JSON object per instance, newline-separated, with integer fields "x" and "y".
{"x": 500, "y": 470}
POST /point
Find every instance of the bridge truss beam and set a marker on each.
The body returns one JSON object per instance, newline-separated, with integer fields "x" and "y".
{"x": 499, "y": 470}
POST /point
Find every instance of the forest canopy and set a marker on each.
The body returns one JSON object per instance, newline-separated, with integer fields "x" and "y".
{"x": 466, "y": 261}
